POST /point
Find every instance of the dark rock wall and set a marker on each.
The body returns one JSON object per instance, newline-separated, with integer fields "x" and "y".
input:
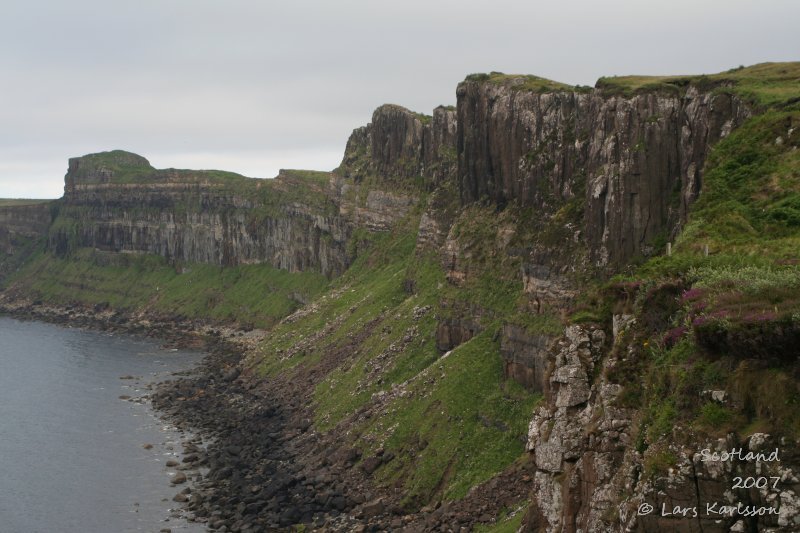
{"x": 400, "y": 145}
{"x": 636, "y": 160}
{"x": 525, "y": 356}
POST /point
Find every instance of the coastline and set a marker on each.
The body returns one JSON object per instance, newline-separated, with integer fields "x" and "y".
{"x": 264, "y": 467}
{"x": 254, "y": 440}
{"x": 84, "y": 448}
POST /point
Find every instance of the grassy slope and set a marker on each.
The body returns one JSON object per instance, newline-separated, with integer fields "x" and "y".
{"x": 450, "y": 422}
{"x": 254, "y": 295}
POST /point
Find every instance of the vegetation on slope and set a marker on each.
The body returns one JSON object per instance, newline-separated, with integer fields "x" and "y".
{"x": 765, "y": 84}
{"x": 728, "y": 321}
{"x": 248, "y": 295}
{"x": 448, "y": 422}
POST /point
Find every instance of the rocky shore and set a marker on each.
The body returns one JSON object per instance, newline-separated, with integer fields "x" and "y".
{"x": 257, "y": 463}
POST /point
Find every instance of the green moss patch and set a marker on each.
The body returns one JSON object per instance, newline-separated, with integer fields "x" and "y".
{"x": 253, "y": 295}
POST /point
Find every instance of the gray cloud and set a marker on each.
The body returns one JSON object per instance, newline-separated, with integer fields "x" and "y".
{"x": 255, "y": 86}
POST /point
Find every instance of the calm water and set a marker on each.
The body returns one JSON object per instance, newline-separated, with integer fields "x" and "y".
{"x": 71, "y": 454}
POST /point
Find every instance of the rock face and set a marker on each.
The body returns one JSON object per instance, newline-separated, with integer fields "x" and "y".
{"x": 525, "y": 357}
{"x": 19, "y": 222}
{"x": 400, "y": 144}
{"x": 191, "y": 217}
{"x": 115, "y": 201}
{"x": 636, "y": 160}
{"x": 578, "y": 438}
{"x": 591, "y": 477}
{"x": 633, "y": 161}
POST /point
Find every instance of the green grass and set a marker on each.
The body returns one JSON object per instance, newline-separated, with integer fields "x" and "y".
{"x": 459, "y": 421}
{"x": 124, "y": 166}
{"x": 765, "y": 84}
{"x": 738, "y": 304}
{"x": 748, "y": 213}
{"x": 254, "y": 295}
{"x": 11, "y": 202}
{"x": 422, "y": 117}
{"x": 299, "y": 176}
{"x": 460, "y": 424}
{"x": 522, "y": 82}
{"x": 371, "y": 285}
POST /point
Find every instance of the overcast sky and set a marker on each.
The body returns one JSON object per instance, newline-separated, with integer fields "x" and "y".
{"x": 254, "y": 86}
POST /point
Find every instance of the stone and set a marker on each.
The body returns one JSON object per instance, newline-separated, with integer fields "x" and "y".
{"x": 620, "y": 323}
{"x": 525, "y": 356}
{"x": 374, "y": 508}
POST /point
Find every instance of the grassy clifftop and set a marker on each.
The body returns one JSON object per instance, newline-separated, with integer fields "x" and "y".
{"x": 766, "y": 84}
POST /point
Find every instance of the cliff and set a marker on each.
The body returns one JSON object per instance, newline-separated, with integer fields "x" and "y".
{"x": 21, "y": 219}
{"x": 402, "y": 145}
{"x": 635, "y": 161}
{"x": 480, "y": 304}
{"x": 22, "y": 225}
{"x": 117, "y": 202}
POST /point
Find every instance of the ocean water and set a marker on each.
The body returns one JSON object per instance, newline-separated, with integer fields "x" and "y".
{"x": 72, "y": 456}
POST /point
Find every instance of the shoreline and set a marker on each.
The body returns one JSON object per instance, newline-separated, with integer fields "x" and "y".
{"x": 79, "y": 416}
{"x": 218, "y": 404}
{"x": 267, "y": 467}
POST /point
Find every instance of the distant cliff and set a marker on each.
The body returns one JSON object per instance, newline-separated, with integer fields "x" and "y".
{"x": 22, "y": 224}
{"x": 21, "y": 220}
{"x": 116, "y": 201}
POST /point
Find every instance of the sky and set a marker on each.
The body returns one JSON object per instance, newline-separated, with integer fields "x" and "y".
{"x": 253, "y": 86}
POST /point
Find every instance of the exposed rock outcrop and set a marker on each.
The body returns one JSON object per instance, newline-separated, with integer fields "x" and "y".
{"x": 196, "y": 222}
{"x": 525, "y": 357}
{"x": 637, "y": 160}
{"x": 591, "y": 477}
{"x": 116, "y": 201}
{"x": 401, "y": 145}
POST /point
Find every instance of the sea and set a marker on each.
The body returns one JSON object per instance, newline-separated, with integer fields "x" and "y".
{"x": 74, "y": 455}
